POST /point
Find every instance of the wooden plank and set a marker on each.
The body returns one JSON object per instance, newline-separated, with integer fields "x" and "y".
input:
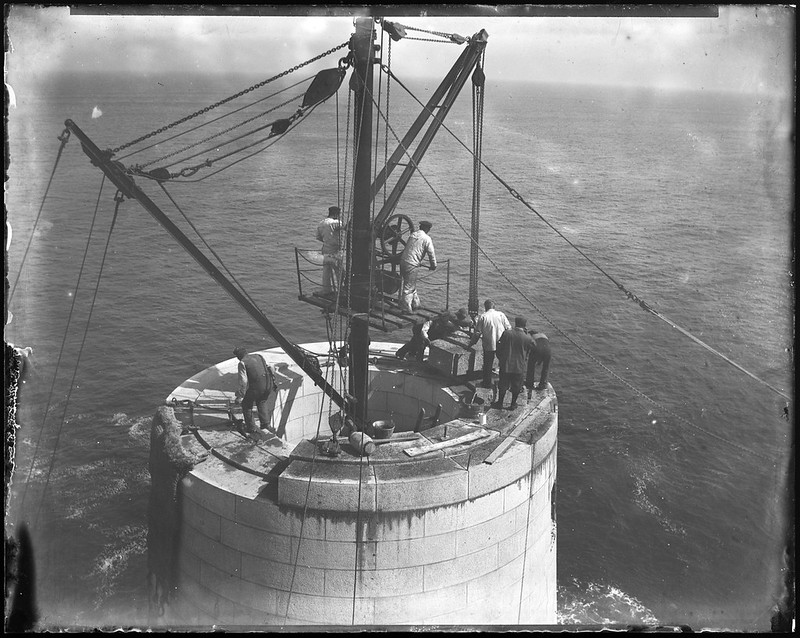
{"x": 519, "y": 425}
{"x": 423, "y": 449}
{"x": 383, "y": 322}
{"x": 400, "y": 437}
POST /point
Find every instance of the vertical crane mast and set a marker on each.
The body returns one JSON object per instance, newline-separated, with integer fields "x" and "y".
{"x": 359, "y": 242}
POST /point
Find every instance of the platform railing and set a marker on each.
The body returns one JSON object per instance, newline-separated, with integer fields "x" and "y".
{"x": 434, "y": 289}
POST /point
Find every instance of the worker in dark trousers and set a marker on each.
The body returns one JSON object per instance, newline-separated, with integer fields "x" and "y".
{"x": 539, "y": 354}
{"x": 513, "y": 349}
{"x": 256, "y": 384}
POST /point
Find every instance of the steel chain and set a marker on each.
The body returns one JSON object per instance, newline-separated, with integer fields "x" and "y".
{"x": 441, "y": 34}
{"x": 430, "y": 40}
{"x": 210, "y": 162}
{"x": 211, "y": 137}
{"x": 228, "y": 99}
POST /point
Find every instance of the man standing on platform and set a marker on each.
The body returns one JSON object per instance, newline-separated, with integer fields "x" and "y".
{"x": 513, "y": 349}
{"x": 256, "y": 385}
{"x": 490, "y": 325}
{"x": 329, "y": 233}
{"x": 418, "y": 247}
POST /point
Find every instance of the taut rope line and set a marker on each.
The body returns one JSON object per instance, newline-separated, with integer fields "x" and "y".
{"x": 63, "y": 138}
{"x": 118, "y": 198}
{"x": 63, "y": 343}
{"x": 561, "y": 332}
{"x": 228, "y": 99}
{"x": 628, "y": 293}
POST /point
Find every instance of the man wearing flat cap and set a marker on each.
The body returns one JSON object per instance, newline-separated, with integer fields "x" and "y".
{"x": 513, "y": 349}
{"x": 329, "y": 233}
{"x": 418, "y": 247}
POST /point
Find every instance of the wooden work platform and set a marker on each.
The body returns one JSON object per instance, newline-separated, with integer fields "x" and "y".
{"x": 384, "y": 315}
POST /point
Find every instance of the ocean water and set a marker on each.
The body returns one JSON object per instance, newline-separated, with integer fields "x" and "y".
{"x": 672, "y": 465}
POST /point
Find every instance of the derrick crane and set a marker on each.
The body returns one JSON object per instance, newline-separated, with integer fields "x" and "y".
{"x": 361, "y": 251}
{"x": 366, "y": 232}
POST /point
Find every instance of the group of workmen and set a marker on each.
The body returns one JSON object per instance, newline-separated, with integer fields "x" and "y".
{"x": 517, "y": 350}
{"x": 418, "y": 249}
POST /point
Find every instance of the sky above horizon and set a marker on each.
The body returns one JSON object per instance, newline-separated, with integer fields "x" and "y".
{"x": 749, "y": 49}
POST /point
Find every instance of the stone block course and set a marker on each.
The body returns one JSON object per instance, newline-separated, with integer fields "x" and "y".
{"x": 332, "y": 554}
{"x": 210, "y": 551}
{"x": 222, "y": 610}
{"x": 249, "y": 540}
{"x": 194, "y": 607}
{"x": 376, "y": 526}
{"x": 460, "y": 569}
{"x": 546, "y": 445}
{"x": 495, "y": 530}
{"x": 312, "y": 526}
{"x": 211, "y": 497}
{"x": 483, "y": 508}
{"x": 512, "y": 548}
{"x": 502, "y": 584}
{"x": 334, "y": 487}
{"x": 374, "y": 583}
{"x": 517, "y": 493}
{"x": 409, "y": 486}
{"x": 203, "y": 520}
{"x": 513, "y": 465}
{"x": 393, "y": 554}
{"x": 333, "y": 610}
{"x": 189, "y": 564}
{"x": 414, "y": 608}
{"x": 274, "y": 575}
{"x": 263, "y": 513}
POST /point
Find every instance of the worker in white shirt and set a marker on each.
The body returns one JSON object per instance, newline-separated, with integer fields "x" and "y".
{"x": 418, "y": 247}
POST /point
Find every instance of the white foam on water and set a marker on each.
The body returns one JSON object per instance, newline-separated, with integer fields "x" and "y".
{"x": 139, "y": 429}
{"x": 645, "y": 476}
{"x": 600, "y": 604}
{"x": 81, "y": 503}
{"x": 130, "y": 541}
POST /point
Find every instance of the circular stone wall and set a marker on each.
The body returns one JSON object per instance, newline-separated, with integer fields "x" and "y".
{"x": 444, "y": 538}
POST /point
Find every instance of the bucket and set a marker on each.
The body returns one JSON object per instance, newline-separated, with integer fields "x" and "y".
{"x": 383, "y": 429}
{"x": 474, "y": 408}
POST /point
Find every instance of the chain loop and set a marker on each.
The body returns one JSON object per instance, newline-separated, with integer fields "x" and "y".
{"x": 211, "y": 137}
{"x": 453, "y": 38}
{"x": 228, "y": 99}
{"x": 430, "y": 40}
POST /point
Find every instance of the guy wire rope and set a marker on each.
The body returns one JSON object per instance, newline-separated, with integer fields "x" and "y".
{"x": 189, "y": 171}
{"x": 218, "y": 134}
{"x": 118, "y": 198}
{"x": 302, "y": 523}
{"x": 228, "y": 99}
{"x": 565, "y": 335}
{"x": 212, "y": 121}
{"x": 63, "y": 343}
{"x": 207, "y": 245}
{"x": 63, "y": 138}
{"x": 629, "y": 294}
{"x": 527, "y": 527}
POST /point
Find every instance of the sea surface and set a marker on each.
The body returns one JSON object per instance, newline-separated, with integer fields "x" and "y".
{"x": 672, "y": 464}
